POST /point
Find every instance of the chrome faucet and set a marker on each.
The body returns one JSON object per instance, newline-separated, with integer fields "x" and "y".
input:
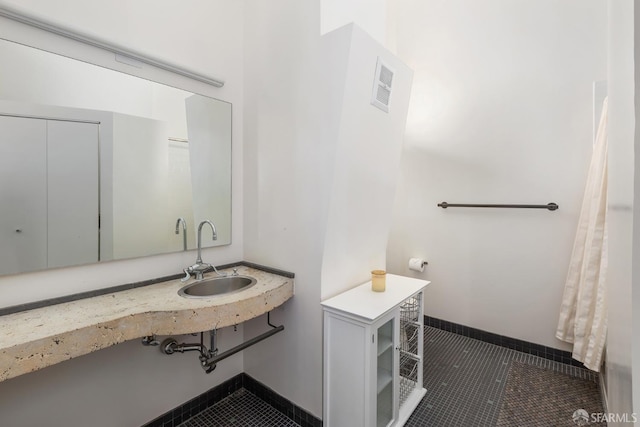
{"x": 184, "y": 232}
{"x": 214, "y": 236}
{"x": 200, "y": 267}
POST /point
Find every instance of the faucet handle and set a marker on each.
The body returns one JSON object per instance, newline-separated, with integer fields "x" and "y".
{"x": 235, "y": 272}
{"x": 187, "y": 275}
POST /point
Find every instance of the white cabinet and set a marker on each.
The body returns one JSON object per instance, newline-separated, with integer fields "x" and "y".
{"x": 373, "y": 347}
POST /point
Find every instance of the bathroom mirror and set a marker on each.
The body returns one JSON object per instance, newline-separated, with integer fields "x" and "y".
{"x": 98, "y": 165}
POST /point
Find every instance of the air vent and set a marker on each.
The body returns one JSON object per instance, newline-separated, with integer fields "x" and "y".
{"x": 382, "y": 83}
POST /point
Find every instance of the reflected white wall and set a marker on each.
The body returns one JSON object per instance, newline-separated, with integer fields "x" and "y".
{"x": 180, "y": 200}
{"x": 209, "y": 137}
{"x": 140, "y": 172}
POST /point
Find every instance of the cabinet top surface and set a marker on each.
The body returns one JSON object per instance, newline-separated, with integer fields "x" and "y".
{"x": 363, "y": 302}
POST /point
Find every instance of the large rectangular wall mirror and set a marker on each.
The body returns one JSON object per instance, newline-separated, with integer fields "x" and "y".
{"x": 99, "y": 165}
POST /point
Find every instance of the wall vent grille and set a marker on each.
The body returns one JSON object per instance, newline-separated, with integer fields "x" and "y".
{"x": 381, "y": 96}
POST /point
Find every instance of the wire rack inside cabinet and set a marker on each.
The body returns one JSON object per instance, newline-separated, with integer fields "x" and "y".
{"x": 410, "y": 332}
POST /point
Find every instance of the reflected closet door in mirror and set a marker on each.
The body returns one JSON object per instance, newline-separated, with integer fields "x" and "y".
{"x": 159, "y": 154}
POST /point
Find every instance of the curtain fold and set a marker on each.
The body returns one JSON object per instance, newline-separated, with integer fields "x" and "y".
{"x": 583, "y": 312}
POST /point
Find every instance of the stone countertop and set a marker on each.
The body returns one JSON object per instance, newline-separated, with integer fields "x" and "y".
{"x": 33, "y": 339}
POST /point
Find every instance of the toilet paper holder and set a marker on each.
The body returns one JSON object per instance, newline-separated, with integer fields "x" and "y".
{"x": 417, "y": 264}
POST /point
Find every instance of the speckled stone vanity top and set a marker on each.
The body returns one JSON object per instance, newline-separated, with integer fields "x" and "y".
{"x": 33, "y": 339}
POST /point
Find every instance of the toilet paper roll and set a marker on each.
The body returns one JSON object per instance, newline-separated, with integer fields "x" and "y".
{"x": 417, "y": 264}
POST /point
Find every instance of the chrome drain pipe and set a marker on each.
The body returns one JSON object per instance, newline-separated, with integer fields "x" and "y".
{"x": 170, "y": 346}
{"x": 210, "y": 357}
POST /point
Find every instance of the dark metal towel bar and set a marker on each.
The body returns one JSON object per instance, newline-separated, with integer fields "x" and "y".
{"x": 549, "y": 206}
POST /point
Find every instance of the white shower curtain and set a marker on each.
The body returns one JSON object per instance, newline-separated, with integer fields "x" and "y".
{"x": 583, "y": 314}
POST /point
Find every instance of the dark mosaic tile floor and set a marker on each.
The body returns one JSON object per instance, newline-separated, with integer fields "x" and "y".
{"x": 469, "y": 383}
{"x": 466, "y": 378}
{"x": 536, "y": 396}
{"x": 241, "y": 408}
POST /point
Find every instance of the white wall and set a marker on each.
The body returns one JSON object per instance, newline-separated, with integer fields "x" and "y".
{"x": 199, "y": 35}
{"x": 370, "y": 15}
{"x": 125, "y": 385}
{"x": 311, "y": 172}
{"x": 621, "y": 204}
{"x": 367, "y": 161}
{"x": 500, "y": 113}
{"x": 286, "y": 193}
{"x": 130, "y": 384}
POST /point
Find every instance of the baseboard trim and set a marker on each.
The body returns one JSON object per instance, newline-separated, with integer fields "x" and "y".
{"x": 282, "y": 404}
{"x": 539, "y": 350}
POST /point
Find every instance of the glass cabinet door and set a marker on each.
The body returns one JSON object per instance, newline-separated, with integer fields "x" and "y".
{"x": 385, "y": 373}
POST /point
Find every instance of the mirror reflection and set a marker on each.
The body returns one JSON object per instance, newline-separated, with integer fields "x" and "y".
{"x": 99, "y": 165}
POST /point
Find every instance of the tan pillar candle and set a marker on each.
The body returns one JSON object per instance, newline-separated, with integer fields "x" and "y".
{"x": 378, "y": 280}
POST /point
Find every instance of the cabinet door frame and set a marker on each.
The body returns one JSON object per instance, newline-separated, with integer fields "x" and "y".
{"x": 393, "y": 315}
{"x": 346, "y": 348}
